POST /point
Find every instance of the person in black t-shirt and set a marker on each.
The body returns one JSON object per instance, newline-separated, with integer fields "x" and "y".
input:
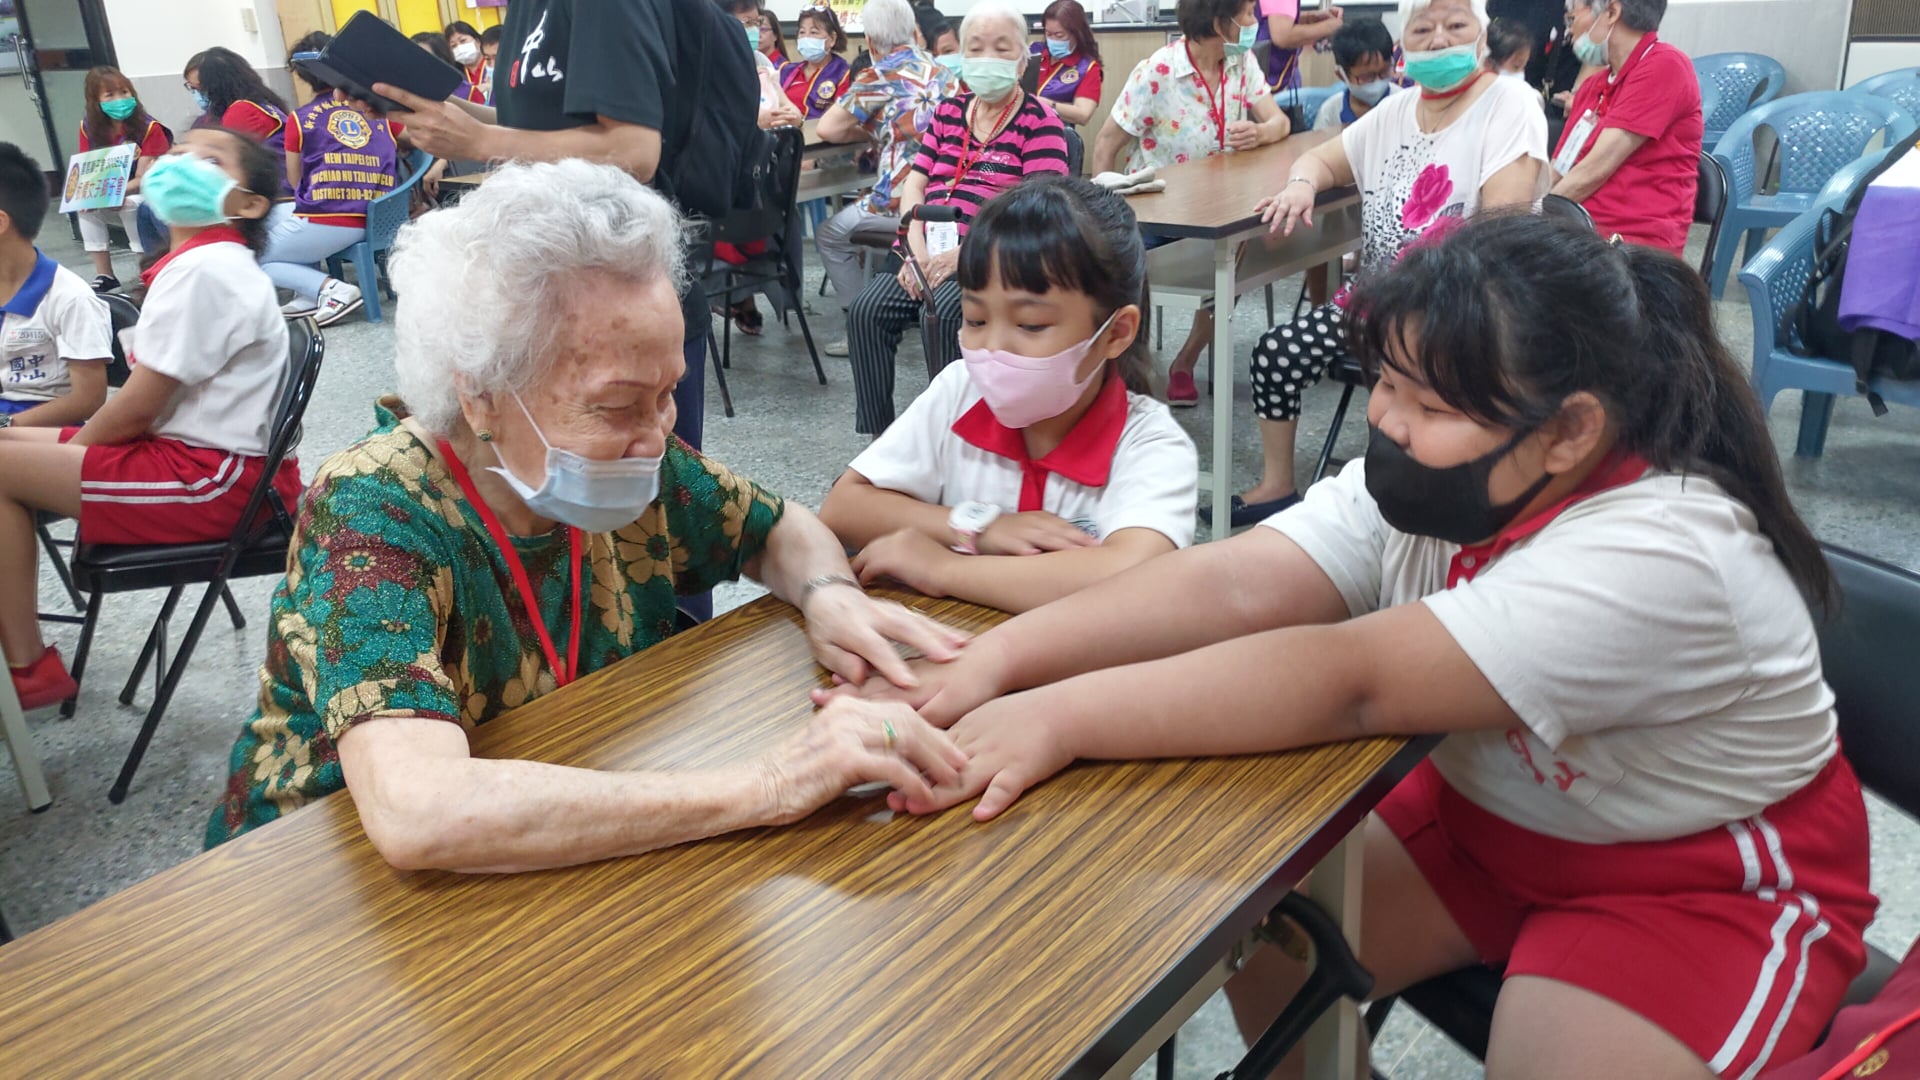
{"x": 590, "y": 79}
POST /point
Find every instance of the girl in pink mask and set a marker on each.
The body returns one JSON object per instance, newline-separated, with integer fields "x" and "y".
{"x": 1042, "y": 463}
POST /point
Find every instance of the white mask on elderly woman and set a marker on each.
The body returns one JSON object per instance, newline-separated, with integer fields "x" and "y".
{"x": 596, "y": 496}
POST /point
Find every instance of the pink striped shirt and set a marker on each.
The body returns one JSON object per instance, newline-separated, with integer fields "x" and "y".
{"x": 1034, "y": 142}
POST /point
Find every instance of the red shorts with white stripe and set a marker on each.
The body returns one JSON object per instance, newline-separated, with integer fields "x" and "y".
{"x": 1739, "y": 941}
{"x": 162, "y": 491}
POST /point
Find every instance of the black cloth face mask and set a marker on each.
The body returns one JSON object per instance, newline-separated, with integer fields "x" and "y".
{"x": 1450, "y": 504}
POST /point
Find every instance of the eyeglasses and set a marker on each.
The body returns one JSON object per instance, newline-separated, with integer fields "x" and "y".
{"x": 814, "y": 7}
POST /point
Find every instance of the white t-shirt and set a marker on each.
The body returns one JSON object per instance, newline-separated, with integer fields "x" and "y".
{"x": 1409, "y": 179}
{"x": 212, "y": 321}
{"x": 54, "y": 318}
{"x": 1151, "y": 479}
{"x": 1663, "y": 666}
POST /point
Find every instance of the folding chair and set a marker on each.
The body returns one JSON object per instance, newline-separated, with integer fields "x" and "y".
{"x": 1710, "y": 206}
{"x": 1864, "y": 649}
{"x": 256, "y": 548}
{"x": 121, "y": 314}
{"x": 1559, "y": 206}
{"x": 776, "y": 220}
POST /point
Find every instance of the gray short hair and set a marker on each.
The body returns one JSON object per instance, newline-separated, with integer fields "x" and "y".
{"x": 481, "y": 283}
{"x": 888, "y": 25}
{"x": 1641, "y": 15}
{"x": 1410, "y": 8}
{"x": 985, "y": 11}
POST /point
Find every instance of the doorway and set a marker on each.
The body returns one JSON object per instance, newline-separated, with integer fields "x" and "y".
{"x": 55, "y": 43}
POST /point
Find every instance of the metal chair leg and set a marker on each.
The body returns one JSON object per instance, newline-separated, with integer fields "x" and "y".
{"x": 118, "y": 793}
{"x": 1333, "y": 433}
{"x": 1269, "y": 303}
{"x": 813, "y": 353}
{"x": 1336, "y": 974}
{"x": 233, "y": 609}
{"x": 155, "y": 646}
{"x": 720, "y": 373}
{"x": 59, "y": 562}
{"x": 1163, "y": 1060}
{"x": 6, "y": 934}
{"x": 80, "y": 651}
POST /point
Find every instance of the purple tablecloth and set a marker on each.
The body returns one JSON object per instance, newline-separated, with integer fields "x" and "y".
{"x": 1882, "y": 287}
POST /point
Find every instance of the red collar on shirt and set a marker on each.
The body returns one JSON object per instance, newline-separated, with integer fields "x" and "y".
{"x": 1085, "y": 456}
{"x": 1633, "y": 59}
{"x": 217, "y": 234}
{"x": 1616, "y": 469}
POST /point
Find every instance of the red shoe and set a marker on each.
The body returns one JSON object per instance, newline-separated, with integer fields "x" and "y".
{"x": 1181, "y": 393}
{"x": 43, "y": 682}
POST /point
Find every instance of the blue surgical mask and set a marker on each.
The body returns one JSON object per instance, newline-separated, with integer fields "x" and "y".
{"x": 1369, "y": 93}
{"x": 1590, "y": 52}
{"x": 187, "y": 191}
{"x": 753, "y": 38}
{"x": 951, "y": 61}
{"x": 1058, "y": 49}
{"x": 1249, "y": 36}
{"x": 991, "y": 78}
{"x": 200, "y": 99}
{"x": 594, "y": 496}
{"x": 812, "y": 49}
{"x": 1441, "y": 70}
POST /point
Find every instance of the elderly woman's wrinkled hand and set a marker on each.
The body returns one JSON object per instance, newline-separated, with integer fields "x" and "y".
{"x": 941, "y": 692}
{"x": 853, "y": 742}
{"x": 853, "y": 636}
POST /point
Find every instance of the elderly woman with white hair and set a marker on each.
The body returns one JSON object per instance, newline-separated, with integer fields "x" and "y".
{"x": 978, "y": 144}
{"x": 1423, "y": 162}
{"x": 522, "y": 516}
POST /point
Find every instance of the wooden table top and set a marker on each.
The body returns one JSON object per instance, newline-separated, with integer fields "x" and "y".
{"x": 1214, "y": 197}
{"x": 848, "y": 945}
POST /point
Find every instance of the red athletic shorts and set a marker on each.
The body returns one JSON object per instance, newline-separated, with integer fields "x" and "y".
{"x": 1739, "y": 941}
{"x": 162, "y": 491}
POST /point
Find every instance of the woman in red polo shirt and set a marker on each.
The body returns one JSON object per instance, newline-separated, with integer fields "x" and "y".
{"x": 1630, "y": 152}
{"x": 1592, "y": 583}
{"x": 1069, "y": 61}
{"x": 114, "y": 117}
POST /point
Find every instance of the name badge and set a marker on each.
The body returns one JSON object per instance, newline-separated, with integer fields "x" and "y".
{"x": 23, "y": 338}
{"x": 1576, "y": 141}
{"x": 942, "y": 237}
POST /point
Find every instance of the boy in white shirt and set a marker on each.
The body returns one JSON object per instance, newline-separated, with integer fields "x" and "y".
{"x": 55, "y": 335}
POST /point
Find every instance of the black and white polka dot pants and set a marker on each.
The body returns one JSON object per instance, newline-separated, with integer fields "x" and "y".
{"x": 1292, "y": 357}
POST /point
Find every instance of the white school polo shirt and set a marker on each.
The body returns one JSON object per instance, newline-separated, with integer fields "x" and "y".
{"x": 1125, "y": 465}
{"x": 211, "y": 320}
{"x": 54, "y": 318}
{"x": 1662, "y": 663}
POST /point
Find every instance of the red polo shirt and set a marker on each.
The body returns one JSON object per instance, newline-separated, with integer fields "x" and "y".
{"x": 1649, "y": 198}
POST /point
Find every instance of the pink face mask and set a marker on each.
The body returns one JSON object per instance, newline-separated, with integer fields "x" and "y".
{"x": 1023, "y": 390}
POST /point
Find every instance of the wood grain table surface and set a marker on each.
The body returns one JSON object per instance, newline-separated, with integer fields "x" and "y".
{"x": 1214, "y": 197}
{"x": 852, "y": 944}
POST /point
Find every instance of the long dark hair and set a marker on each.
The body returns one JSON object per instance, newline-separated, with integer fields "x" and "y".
{"x": 1073, "y": 19}
{"x": 436, "y": 43}
{"x": 312, "y": 42}
{"x": 1514, "y": 313}
{"x": 99, "y": 126}
{"x": 226, "y": 77}
{"x": 263, "y": 171}
{"x": 1066, "y": 232}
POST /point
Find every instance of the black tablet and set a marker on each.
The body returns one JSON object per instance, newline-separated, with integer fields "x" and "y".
{"x": 369, "y": 50}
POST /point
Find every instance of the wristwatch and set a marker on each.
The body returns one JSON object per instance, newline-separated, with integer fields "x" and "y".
{"x": 6, "y": 420}
{"x": 968, "y": 521}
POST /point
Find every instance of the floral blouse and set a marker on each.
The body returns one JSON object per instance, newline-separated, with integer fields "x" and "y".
{"x": 398, "y": 603}
{"x": 1165, "y": 106}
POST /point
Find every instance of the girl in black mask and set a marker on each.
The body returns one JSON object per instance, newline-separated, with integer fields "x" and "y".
{"x": 1569, "y": 550}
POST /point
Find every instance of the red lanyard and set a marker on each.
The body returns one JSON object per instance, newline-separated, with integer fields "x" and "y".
{"x": 562, "y": 674}
{"x": 1600, "y": 102}
{"x": 967, "y": 157}
{"x": 1216, "y": 107}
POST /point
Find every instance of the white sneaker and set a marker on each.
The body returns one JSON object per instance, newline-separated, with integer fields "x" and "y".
{"x": 835, "y": 348}
{"x": 299, "y": 308}
{"x": 337, "y": 301}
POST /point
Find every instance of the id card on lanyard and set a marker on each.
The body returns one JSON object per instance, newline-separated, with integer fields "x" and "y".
{"x": 942, "y": 237}
{"x": 563, "y": 673}
{"x": 1576, "y": 142}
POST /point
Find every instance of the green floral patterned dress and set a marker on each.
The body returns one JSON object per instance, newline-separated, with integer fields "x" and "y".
{"x": 398, "y": 603}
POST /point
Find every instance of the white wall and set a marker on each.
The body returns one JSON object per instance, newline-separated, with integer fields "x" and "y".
{"x": 1808, "y": 37}
{"x": 154, "y": 38}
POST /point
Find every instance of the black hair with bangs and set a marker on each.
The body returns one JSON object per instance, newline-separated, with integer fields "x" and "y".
{"x": 1066, "y": 232}
{"x": 1513, "y": 313}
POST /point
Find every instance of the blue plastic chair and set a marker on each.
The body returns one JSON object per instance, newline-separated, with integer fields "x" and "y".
{"x": 1743, "y": 80}
{"x": 1902, "y": 87}
{"x": 1837, "y": 189}
{"x": 1818, "y": 134}
{"x": 1775, "y": 279}
{"x": 1310, "y": 99}
{"x": 385, "y": 215}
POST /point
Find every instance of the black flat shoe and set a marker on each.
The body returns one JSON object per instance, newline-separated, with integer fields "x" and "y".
{"x": 105, "y": 283}
{"x": 1241, "y": 514}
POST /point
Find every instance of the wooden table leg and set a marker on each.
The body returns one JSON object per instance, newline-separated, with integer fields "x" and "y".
{"x": 1333, "y": 1043}
{"x": 1222, "y": 371}
{"x": 26, "y": 761}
